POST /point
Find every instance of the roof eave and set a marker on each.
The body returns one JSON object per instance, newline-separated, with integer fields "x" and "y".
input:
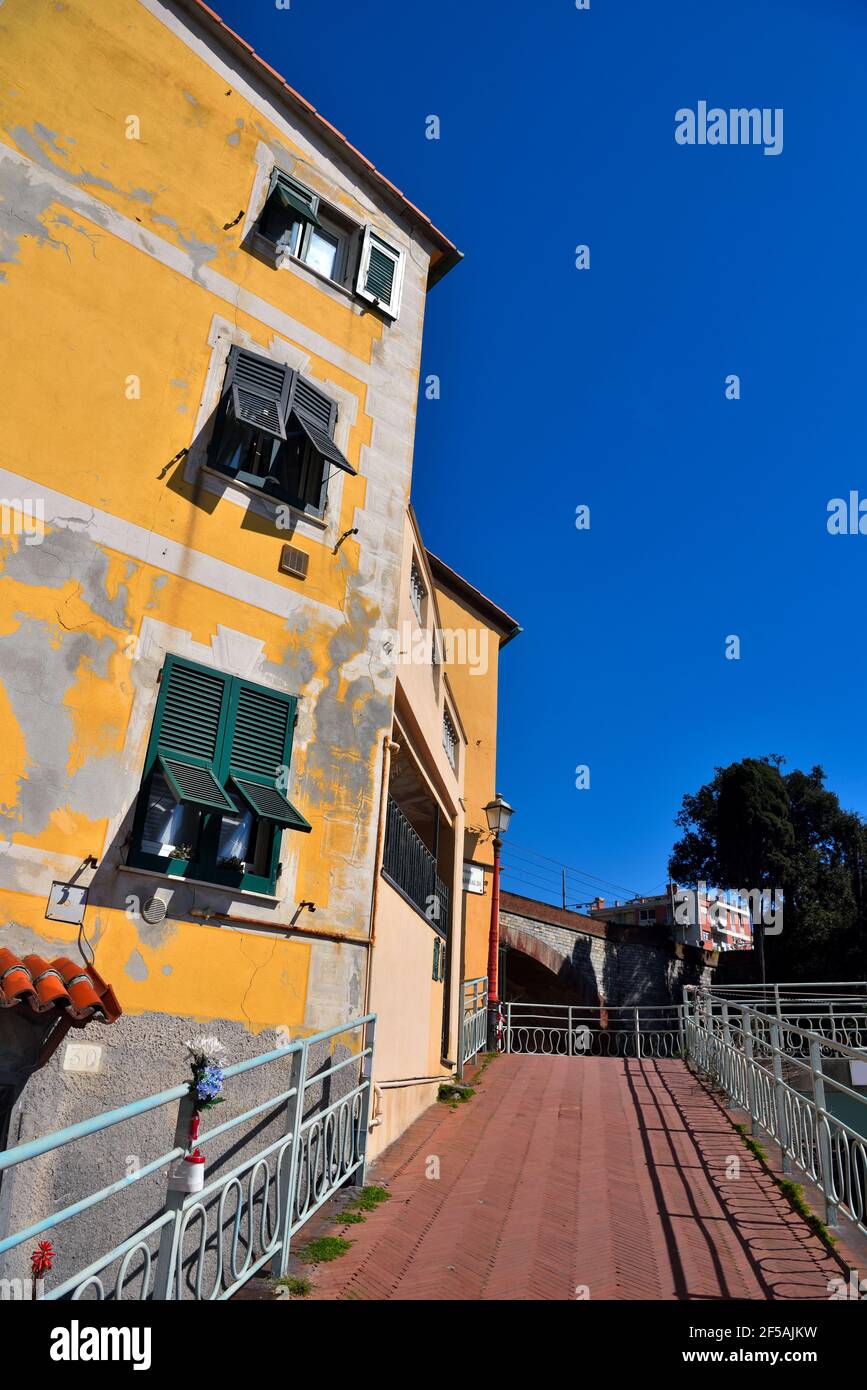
{"x": 449, "y": 255}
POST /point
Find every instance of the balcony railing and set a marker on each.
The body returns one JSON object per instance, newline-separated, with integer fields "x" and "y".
{"x": 272, "y": 1164}
{"x": 474, "y": 1031}
{"x": 411, "y": 868}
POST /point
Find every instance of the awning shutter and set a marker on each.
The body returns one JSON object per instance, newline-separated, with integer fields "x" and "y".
{"x": 260, "y": 754}
{"x": 195, "y": 786}
{"x": 270, "y": 804}
{"x": 261, "y": 389}
{"x": 295, "y": 199}
{"x": 189, "y": 731}
{"x": 316, "y": 414}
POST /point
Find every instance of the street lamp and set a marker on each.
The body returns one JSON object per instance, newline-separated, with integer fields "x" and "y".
{"x": 499, "y": 813}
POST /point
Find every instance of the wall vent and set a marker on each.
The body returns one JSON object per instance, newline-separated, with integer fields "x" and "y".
{"x": 294, "y": 561}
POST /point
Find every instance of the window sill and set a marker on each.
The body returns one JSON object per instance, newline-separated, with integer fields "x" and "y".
{"x": 284, "y": 260}
{"x": 319, "y": 522}
{"x": 178, "y": 881}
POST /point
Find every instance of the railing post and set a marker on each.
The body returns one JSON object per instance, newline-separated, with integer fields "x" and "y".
{"x": 681, "y": 1029}
{"x": 751, "y": 1080}
{"x": 826, "y": 1167}
{"x": 166, "y": 1286}
{"x": 508, "y": 1047}
{"x": 569, "y": 1027}
{"x": 289, "y": 1171}
{"x": 780, "y": 1097}
{"x": 637, "y": 1026}
{"x": 777, "y": 1003}
{"x": 726, "y": 1066}
{"x": 364, "y": 1119}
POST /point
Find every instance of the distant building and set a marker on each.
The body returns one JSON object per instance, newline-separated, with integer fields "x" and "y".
{"x": 715, "y": 919}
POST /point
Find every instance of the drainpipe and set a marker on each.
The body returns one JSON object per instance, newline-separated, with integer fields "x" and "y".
{"x": 494, "y": 950}
{"x": 206, "y": 914}
{"x": 388, "y": 747}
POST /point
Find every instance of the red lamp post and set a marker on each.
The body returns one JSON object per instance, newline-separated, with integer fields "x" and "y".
{"x": 499, "y": 813}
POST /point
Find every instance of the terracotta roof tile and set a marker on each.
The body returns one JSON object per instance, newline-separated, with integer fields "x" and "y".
{"x": 447, "y": 254}
{"x": 61, "y": 985}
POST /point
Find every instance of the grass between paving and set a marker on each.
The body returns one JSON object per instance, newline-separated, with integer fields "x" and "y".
{"x": 455, "y": 1093}
{"x": 324, "y": 1250}
{"x": 328, "y": 1248}
{"x": 298, "y": 1286}
{"x": 792, "y": 1191}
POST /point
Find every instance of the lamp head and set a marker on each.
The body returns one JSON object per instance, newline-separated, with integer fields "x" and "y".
{"x": 498, "y": 813}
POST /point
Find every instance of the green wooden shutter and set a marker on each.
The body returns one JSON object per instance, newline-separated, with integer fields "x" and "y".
{"x": 260, "y": 750}
{"x": 188, "y": 731}
{"x": 316, "y": 414}
{"x": 260, "y": 391}
{"x": 294, "y": 197}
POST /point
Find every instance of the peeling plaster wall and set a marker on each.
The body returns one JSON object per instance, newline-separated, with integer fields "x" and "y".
{"x": 121, "y": 260}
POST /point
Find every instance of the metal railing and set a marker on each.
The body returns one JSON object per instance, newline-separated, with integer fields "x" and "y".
{"x": 578, "y": 1030}
{"x": 205, "y": 1245}
{"x": 837, "y": 1010}
{"x": 474, "y": 1031}
{"x": 410, "y": 866}
{"x": 790, "y": 1082}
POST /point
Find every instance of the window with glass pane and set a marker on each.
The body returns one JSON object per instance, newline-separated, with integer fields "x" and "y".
{"x": 244, "y": 843}
{"x": 292, "y": 219}
{"x": 321, "y": 252}
{"x": 170, "y": 830}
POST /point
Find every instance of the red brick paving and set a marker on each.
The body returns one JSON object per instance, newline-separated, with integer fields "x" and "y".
{"x": 566, "y": 1172}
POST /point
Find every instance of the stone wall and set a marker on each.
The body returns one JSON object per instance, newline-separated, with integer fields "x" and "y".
{"x": 600, "y": 963}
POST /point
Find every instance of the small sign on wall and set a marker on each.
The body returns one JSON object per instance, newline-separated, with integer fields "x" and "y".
{"x": 474, "y": 878}
{"x": 66, "y": 903}
{"x": 84, "y": 1056}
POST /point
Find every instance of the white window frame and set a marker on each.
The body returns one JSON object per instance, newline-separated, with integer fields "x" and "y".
{"x": 340, "y": 236}
{"x": 396, "y": 255}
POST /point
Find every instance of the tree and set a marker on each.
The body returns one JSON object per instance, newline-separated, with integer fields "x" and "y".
{"x": 754, "y": 827}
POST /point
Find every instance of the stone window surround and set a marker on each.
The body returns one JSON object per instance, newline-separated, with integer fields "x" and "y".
{"x": 222, "y": 336}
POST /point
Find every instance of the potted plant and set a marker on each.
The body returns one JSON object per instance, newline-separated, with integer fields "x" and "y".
{"x": 233, "y": 862}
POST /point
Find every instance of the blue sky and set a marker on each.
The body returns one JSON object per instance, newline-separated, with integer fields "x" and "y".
{"x": 607, "y": 387}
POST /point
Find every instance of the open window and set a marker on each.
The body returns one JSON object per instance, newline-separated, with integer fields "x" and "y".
{"x": 298, "y": 224}
{"x": 213, "y": 801}
{"x": 380, "y": 273}
{"x": 275, "y": 431}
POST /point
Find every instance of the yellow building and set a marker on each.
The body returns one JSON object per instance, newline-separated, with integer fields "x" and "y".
{"x": 475, "y": 631}
{"x": 214, "y": 309}
{"x": 416, "y": 958}
{"x": 433, "y": 899}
